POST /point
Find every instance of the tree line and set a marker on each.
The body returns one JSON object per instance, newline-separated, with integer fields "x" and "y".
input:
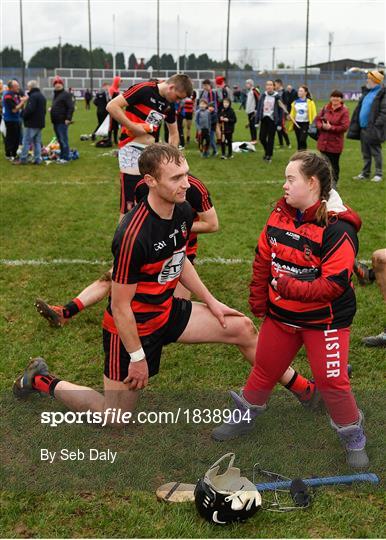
{"x": 77, "y": 56}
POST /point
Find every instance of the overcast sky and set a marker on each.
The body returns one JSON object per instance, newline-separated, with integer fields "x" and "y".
{"x": 358, "y": 27}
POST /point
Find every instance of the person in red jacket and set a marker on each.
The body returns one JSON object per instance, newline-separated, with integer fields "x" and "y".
{"x": 301, "y": 288}
{"x": 332, "y": 123}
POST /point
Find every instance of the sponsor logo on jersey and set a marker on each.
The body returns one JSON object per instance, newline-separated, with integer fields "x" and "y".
{"x": 184, "y": 230}
{"x": 293, "y": 235}
{"x": 159, "y": 245}
{"x": 272, "y": 241}
{"x": 307, "y": 252}
{"x": 172, "y": 267}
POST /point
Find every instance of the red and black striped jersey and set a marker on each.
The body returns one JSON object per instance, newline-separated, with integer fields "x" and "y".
{"x": 150, "y": 251}
{"x": 312, "y": 264}
{"x": 197, "y": 196}
{"x": 145, "y": 105}
{"x": 188, "y": 105}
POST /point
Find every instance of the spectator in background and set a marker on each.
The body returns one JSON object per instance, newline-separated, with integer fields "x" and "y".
{"x": 114, "y": 91}
{"x": 203, "y": 127}
{"x": 208, "y": 94}
{"x": 1, "y": 99}
{"x": 212, "y": 129}
{"x": 227, "y": 120}
{"x": 282, "y": 133}
{"x": 87, "y": 99}
{"x": 188, "y": 107}
{"x": 236, "y": 93}
{"x": 243, "y": 99}
{"x": 222, "y": 91}
{"x": 303, "y": 112}
{"x": 62, "y": 110}
{"x": 34, "y": 117}
{"x": 332, "y": 123}
{"x": 289, "y": 96}
{"x": 368, "y": 123}
{"x": 12, "y": 105}
{"x": 268, "y": 115}
{"x": 100, "y": 101}
{"x": 250, "y": 108}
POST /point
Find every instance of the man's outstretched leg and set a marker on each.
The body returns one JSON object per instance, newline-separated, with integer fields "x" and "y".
{"x": 204, "y": 327}
{"x": 37, "y": 378}
{"x": 60, "y": 315}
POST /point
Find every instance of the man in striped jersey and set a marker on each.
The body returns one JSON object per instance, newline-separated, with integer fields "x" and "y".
{"x": 142, "y": 316}
{"x": 140, "y": 110}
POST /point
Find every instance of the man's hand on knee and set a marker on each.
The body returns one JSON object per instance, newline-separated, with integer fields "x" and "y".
{"x": 138, "y": 375}
{"x": 220, "y": 311}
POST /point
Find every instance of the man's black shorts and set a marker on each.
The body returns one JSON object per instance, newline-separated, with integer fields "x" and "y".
{"x": 128, "y": 184}
{"x": 188, "y": 116}
{"x": 117, "y": 359}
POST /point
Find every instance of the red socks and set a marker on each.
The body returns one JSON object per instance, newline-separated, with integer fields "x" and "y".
{"x": 45, "y": 384}
{"x": 300, "y": 386}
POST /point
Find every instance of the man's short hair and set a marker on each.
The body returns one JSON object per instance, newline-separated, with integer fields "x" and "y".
{"x": 250, "y": 81}
{"x": 182, "y": 82}
{"x": 279, "y": 81}
{"x": 32, "y": 84}
{"x": 206, "y": 81}
{"x": 158, "y": 154}
{"x": 10, "y": 83}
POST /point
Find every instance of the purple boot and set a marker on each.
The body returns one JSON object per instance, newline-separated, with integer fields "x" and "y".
{"x": 242, "y": 420}
{"x": 353, "y": 438}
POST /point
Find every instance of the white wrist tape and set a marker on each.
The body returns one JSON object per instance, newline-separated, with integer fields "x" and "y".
{"x": 137, "y": 356}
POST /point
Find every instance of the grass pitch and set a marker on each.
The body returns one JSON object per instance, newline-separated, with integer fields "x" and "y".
{"x": 70, "y": 212}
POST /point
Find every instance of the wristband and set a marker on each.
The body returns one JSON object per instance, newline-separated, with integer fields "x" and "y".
{"x": 137, "y": 356}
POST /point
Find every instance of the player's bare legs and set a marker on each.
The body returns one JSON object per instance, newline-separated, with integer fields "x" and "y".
{"x": 36, "y": 378}
{"x": 81, "y": 398}
{"x": 204, "y": 327}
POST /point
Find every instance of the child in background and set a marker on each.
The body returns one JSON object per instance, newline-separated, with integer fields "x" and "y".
{"x": 203, "y": 127}
{"x": 212, "y": 129}
{"x": 228, "y": 120}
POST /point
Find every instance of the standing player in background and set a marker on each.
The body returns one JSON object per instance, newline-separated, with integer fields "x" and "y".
{"x": 140, "y": 111}
{"x": 189, "y": 106}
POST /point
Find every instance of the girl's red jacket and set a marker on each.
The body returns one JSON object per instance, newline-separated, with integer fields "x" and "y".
{"x": 312, "y": 264}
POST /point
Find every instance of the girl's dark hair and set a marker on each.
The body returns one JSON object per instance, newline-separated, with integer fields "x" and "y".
{"x": 314, "y": 164}
{"x": 305, "y": 88}
{"x": 337, "y": 93}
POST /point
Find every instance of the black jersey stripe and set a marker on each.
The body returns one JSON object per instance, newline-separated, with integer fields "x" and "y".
{"x": 286, "y": 238}
{"x": 131, "y": 231}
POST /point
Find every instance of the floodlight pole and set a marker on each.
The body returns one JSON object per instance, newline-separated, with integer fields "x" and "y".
{"x": 307, "y": 27}
{"x": 114, "y": 53}
{"x": 227, "y": 42}
{"x": 178, "y": 43}
{"x": 60, "y": 52}
{"x": 90, "y": 48}
{"x": 330, "y": 40}
{"x": 22, "y": 46}
{"x": 186, "y": 51}
{"x": 158, "y": 49}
